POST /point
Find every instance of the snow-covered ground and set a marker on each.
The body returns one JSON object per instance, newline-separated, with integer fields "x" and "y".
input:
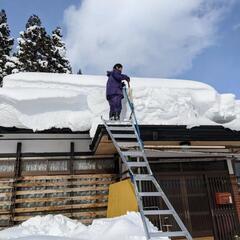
{"x": 58, "y": 227}
{"x": 43, "y": 100}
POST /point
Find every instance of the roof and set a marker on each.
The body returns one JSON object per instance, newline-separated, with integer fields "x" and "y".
{"x": 167, "y": 139}
{"x": 41, "y": 101}
{"x": 156, "y": 134}
{"x": 7, "y": 130}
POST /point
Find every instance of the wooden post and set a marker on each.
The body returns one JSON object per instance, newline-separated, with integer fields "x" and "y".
{"x": 17, "y": 168}
{"x": 71, "y": 170}
{"x": 17, "y": 174}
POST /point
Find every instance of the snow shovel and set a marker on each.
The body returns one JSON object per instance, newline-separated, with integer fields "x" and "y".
{"x": 128, "y": 93}
{"x": 130, "y": 96}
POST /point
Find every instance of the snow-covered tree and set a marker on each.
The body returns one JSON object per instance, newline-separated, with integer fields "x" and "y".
{"x": 12, "y": 65}
{"x": 6, "y": 45}
{"x": 59, "y": 61}
{"x": 34, "y": 49}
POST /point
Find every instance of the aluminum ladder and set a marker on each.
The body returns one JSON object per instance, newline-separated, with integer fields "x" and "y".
{"x": 125, "y": 136}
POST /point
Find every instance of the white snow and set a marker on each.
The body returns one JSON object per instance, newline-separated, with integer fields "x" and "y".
{"x": 53, "y": 227}
{"x": 43, "y": 100}
{"x": 3, "y": 25}
{"x": 10, "y": 65}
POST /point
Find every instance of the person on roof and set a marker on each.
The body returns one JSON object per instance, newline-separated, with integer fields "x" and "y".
{"x": 114, "y": 91}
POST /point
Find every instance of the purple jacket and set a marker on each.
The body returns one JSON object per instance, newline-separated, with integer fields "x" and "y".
{"x": 114, "y": 83}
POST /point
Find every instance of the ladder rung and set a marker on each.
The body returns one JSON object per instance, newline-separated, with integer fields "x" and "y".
{"x": 113, "y": 122}
{"x": 133, "y": 153}
{"x": 122, "y": 128}
{"x": 168, "y": 234}
{"x": 158, "y": 212}
{"x": 127, "y": 144}
{"x": 143, "y": 177}
{"x": 124, "y": 136}
{"x": 150, "y": 194}
{"x": 137, "y": 164}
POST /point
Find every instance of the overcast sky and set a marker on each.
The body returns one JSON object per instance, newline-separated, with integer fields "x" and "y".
{"x": 191, "y": 39}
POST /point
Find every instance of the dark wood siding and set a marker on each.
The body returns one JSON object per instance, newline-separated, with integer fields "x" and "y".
{"x": 191, "y": 188}
{"x": 177, "y": 133}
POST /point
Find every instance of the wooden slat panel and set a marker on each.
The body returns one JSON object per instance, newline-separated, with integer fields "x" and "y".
{"x": 29, "y": 203}
{"x": 89, "y": 214}
{"x": 4, "y": 212}
{"x": 59, "y": 199}
{"x": 70, "y": 176}
{"x": 74, "y": 214}
{"x": 6, "y": 194}
{"x": 5, "y": 217}
{"x": 5, "y": 187}
{"x": 57, "y": 208}
{"x": 6, "y": 180}
{"x": 5, "y": 203}
{"x": 78, "y": 189}
{"x": 63, "y": 183}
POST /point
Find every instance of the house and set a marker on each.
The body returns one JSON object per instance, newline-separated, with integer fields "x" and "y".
{"x": 61, "y": 170}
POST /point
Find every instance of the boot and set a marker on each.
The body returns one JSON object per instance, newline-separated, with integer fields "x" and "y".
{"x": 117, "y": 116}
{"x": 111, "y": 116}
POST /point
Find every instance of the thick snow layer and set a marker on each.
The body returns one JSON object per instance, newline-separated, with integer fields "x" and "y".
{"x": 53, "y": 227}
{"x": 43, "y": 100}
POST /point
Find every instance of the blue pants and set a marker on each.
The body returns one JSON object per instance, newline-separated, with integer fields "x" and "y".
{"x": 115, "y": 102}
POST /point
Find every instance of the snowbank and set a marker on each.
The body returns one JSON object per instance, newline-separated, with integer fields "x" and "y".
{"x": 53, "y": 227}
{"x": 43, "y": 100}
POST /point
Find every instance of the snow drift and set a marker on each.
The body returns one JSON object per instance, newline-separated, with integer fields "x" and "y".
{"x": 53, "y": 227}
{"x": 40, "y": 101}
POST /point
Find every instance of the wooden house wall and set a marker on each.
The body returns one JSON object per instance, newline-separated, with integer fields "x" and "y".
{"x": 82, "y": 197}
{"x": 75, "y": 186}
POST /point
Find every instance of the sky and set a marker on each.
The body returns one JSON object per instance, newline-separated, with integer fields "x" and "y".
{"x": 188, "y": 39}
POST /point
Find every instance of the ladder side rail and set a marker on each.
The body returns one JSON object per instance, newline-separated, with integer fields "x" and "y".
{"x": 137, "y": 131}
{"x": 138, "y": 197}
{"x": 135, "y": 125}
{"x": 148, "y": 165}
{"x": 170, "y": 206}
{"x": 140, "y": 208}
{"x": 142, "y": 149}
{"x": 138, "y": 137}
{"x": 116, "y": 146}
{"x": 184, "y": 232}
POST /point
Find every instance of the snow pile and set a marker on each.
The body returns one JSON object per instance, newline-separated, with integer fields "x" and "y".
{"x": 50, "y": 227}
{"x": 43, "y": 100}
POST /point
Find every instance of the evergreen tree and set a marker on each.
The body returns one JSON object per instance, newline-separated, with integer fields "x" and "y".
{"x": 34, "y": 50}
{"x": 6, "y": 45}
{"x": 12, "y": 65}
{"x": 79, "y": 71}
{"x": 59, "y": 62}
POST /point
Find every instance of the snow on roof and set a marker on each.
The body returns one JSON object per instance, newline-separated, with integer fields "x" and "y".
{"x": 51, "y": 227}
{"x": 41, "y": 101}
